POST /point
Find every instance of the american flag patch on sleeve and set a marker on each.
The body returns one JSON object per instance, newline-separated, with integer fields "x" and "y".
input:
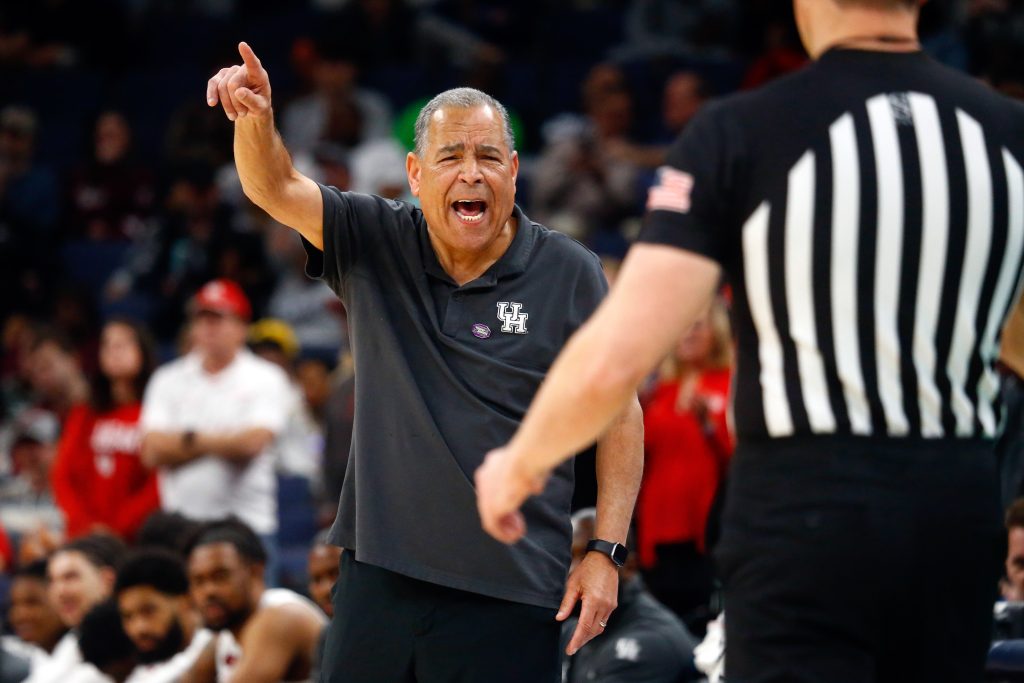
{"x": 672, "y": 192}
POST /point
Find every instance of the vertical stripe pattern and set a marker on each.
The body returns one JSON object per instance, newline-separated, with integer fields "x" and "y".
{"x": 979, "y": 236}
{"x": 845, "y": 233}
{"x": 949, "y": 306}
{"x": 800, "y": 297}
{"x": 935, "y": 225}
{"x": 888, "y": 255}
{"x": 777, "y": 415}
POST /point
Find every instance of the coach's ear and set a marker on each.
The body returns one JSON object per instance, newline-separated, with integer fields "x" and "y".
{"x": 412, "y": 171}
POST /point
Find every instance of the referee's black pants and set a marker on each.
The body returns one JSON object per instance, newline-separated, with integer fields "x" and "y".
{"x": 389, "y": 628}
{"x": 860, "y": 561}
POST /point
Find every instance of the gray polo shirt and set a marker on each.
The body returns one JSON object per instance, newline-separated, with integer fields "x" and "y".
{"x": 443, "y": 375}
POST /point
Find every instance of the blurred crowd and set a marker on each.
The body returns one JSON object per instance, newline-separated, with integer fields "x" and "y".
{"x": 151, "y": 315}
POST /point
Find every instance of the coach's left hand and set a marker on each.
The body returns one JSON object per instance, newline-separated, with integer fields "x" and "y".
{"x": 595, "y": 582}
{"x": 502, "y": 484}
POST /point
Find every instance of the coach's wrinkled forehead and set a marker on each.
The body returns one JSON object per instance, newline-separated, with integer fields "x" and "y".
{"x": 460, "y": 98}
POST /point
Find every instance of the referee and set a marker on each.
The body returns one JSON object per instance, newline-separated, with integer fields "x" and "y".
{"x": 456, "y": 309}
{"x": 869, "y": 212}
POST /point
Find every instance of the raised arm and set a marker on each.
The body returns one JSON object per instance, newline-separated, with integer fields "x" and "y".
{"x": 264, "y": 166}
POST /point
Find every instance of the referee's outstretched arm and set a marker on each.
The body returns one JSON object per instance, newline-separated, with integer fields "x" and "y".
{"x": 264, "y": 166}
{"x": 659, "y": 294}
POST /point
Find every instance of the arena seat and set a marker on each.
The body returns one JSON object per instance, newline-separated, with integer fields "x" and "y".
{"x": 1005, "y": 661}
{"x": 296, "y": 512}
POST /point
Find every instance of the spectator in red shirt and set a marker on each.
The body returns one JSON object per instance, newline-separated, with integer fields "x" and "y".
{"x": 6, "y": 552}
{"x": 99, "y": 481}
{"x": 688, "y": 446}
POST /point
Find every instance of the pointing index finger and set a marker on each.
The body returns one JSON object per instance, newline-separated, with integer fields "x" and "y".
{"x": 252, "y": 62}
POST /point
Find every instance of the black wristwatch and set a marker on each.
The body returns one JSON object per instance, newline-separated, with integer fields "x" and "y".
{"x": 616, "y": 552}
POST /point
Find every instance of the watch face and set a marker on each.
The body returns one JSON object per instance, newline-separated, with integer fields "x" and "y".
{"x": 619, "y": 554}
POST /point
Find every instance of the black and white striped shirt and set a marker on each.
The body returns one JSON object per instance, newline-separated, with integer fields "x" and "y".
{"x": 869, "y": 211}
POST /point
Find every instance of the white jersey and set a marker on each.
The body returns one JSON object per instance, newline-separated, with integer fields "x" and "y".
{"x": 35, "y": 656}
{"x": 229, "y": 652}
{"x": 171, "y": 670}
{"x": 58, "y": 667}
{"x": 87, "y": 673}
{"x": 249, "y": 393}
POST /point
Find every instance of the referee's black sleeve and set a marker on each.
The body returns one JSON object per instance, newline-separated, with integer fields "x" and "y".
{"x": 686, "y": 207}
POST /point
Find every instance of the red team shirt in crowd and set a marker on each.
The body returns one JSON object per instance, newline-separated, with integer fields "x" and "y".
{"x": 683, "y": 466}
{"x": 98, "y": 478}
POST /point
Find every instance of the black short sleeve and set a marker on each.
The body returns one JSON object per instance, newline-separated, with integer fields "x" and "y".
{"x": 591, "y": 289}
{"x": 688, "y": 207}
{"x": 352, "y": 225}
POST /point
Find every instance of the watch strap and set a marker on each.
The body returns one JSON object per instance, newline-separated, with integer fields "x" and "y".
{"x": 616, "y": 552}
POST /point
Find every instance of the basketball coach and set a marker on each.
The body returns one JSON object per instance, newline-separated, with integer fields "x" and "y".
{"x": 456, "y": 311}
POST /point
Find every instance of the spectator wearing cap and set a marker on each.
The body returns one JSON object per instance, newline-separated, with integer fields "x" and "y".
{"x": 299, "y": 447}
{"x": 26, "y": 501}
{"x": 209, "y": 419}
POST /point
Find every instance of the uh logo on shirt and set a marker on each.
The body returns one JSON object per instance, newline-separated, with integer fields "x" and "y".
{"x": 512, "y": 317}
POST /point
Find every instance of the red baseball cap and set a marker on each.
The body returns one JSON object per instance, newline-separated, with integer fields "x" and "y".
{"x": 222, "y": 296}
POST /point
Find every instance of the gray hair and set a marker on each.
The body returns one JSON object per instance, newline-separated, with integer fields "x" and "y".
{"x": 460, "y": 98}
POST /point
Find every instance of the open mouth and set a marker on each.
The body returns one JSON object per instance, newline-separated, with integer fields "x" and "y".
{"x": 470, "y": 210}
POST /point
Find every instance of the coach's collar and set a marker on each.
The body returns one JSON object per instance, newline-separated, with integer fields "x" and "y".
{"x": 512, "y": 262}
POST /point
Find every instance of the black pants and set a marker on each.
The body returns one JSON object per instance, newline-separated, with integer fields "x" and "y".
{"x": 682, "y": 579}
{"x": 389, "y": 628}
{"x": 860, "y": 561}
